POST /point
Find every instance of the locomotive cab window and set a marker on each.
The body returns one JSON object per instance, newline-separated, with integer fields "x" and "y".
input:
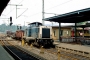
{"x": 54, "y": 32}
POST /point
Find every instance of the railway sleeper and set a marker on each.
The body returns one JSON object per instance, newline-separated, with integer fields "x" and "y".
{"x": 72, "y": 52}
{"x": 76, "y": 52}
{"x": 68, "y": 57}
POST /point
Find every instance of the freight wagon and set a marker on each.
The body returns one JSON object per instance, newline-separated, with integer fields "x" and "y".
{"x": 9, "y": 33}
{"x": 18, "y": 34}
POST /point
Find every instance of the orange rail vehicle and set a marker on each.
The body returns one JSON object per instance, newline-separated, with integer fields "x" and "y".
{"x": 19, "y": 34}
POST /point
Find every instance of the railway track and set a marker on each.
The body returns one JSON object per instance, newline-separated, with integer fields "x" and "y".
{"x": 19, "y": 53}
{"x": 68, "y": 55}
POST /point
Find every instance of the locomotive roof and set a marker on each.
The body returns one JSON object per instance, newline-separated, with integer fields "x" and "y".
{"x": 72, "y": 17}
{"x": 34, "y": 23}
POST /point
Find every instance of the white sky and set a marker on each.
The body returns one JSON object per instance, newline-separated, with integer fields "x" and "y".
{"x": 34, "y": 11}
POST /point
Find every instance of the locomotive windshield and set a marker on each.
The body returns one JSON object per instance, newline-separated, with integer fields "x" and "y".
{"x": 34, "y": 32}
{"x": 45, "y": 33}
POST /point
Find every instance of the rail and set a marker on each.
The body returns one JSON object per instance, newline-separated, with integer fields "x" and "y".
{"x": 12, "y": 53}
{"x": 67, "y": 53}
{"x": 26, "y": 52}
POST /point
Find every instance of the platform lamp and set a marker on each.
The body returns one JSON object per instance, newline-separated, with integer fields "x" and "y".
{"x": 18, "y": 27}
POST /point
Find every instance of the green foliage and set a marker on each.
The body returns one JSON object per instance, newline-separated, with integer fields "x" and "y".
{"x": 13, "y": 28}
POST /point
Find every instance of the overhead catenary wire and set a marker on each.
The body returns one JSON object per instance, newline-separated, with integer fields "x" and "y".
{"x": 59, "y": 4}
{"x": 14, "y": 8}
{"x": 45, "y": 9}
{"x": 22, "y": 13}
{"x": 51, "y": 8}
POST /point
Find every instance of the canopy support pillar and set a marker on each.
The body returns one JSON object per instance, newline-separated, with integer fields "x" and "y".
{"x": 60, "y": 32}
{"x": 75, "y": 34}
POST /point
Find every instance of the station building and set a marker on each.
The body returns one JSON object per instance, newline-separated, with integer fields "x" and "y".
{"x": 69, "y": 31}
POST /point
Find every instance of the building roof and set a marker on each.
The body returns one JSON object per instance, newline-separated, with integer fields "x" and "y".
{"x": 3, "y": 4}
{"x": 61, "y": 26}
{"x": 72, "y": 17}
{"x": 83, "y": 26}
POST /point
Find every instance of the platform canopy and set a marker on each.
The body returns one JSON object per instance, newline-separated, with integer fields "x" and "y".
{"x": 71, "y": 17}
{"x": 3, "y": 4}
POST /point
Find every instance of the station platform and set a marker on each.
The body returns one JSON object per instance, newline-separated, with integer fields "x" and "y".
{"x": 73, "y": 46}
{"x": 4, "y": 54}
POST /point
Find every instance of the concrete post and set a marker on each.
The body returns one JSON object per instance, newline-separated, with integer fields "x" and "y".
{"x": 31, "y": 46}
{"x": 42, "y": 50}
{"x": 58, "y": 54}
{"x": 23, "y": 42}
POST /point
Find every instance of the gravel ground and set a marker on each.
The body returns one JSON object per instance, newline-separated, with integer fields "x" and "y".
{"x": 36, "y": 51}
{"x": 46, "y": 55}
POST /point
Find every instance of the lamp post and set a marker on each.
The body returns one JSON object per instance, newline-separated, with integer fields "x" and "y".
{"x": 16, "y": 7}
{"x": 43, "y": 12}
